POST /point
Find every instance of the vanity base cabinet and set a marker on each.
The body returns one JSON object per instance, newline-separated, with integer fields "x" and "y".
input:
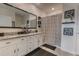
{"x": 17, "y": 49}
{"x": 20, "y": 46}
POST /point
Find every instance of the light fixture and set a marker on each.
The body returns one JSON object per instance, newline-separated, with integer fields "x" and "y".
{"x": 52, "y": 8}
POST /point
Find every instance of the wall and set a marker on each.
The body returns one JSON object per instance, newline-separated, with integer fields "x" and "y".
{"x": 68, "y": 43}
{"x": 77, "y": 32}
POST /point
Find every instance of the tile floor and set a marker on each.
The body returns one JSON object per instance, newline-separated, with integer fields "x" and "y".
{"x": 42, "y": 52}
{"x": 47, "y": 50}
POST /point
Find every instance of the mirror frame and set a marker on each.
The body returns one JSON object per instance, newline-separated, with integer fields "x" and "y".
{"x": 23, "y": 11}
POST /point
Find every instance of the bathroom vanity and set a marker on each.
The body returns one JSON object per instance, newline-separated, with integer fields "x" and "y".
{"x": 18, "y": 31}
{"x": 18, "y": 45}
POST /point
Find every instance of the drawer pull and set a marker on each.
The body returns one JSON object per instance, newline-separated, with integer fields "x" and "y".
{"x": 8, "y": 42}
{"x": 29, "y": 48}
{"x": 14, "y": 51}
{"x": 22, "y": 39}
{"x": 17, "y": 49}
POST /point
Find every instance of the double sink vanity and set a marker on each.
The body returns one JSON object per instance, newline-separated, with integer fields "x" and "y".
{"x": 18, "y": 31}
{"x": 18, "y": 45}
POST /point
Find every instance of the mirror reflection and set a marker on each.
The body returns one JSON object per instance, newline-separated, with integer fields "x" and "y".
{"x": 13, "y": 17}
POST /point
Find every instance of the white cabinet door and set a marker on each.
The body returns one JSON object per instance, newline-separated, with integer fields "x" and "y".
{"x": 30, "y": 44}
{"x": 40, "y": 40}
{"x": 8, "y": 51}
{"x": 35, "y": 41}
{"x": 22, "y": 46}
{"x": 8, "y": 47}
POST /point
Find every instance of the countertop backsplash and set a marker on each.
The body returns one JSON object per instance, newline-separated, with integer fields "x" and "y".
{"x": 15, "y": 31}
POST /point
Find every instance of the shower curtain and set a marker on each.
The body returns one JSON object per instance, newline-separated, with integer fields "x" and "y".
{"x": 51, "y": 27}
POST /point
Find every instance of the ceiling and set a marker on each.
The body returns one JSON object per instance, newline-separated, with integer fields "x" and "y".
{"x": 47, "y": 7}
{"x": 42, "y": 5}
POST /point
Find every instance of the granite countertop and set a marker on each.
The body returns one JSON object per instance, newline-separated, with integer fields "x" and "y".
{"x": 18, "y": 35}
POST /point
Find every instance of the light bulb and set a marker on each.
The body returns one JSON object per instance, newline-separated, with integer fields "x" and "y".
{"x": 52, "y": 8}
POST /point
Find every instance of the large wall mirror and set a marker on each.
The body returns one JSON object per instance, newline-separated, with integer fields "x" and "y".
{"x": 11, "y": 16}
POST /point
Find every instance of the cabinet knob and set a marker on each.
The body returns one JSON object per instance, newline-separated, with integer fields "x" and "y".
{"x": 29, "y": 48}
{"x": 22, "y": 39}
{"x": 17, "y": 49}
{"x": 14, "y": 51}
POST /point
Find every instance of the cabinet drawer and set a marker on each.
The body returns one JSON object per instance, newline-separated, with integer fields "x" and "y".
{"x": 5, "y": 43}
{"x": 30, "y": 41}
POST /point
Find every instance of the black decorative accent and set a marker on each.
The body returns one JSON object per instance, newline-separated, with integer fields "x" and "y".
{"x": 68, "y": 31}
{"x": 68, "y": 22}
{"x": 39, "y": 18}
{"x": 39, "y": 24}
{"x": 22, "y": 32}
{"x": 33, "y": 52}
{"x": 39, "y": 21}
{"x": 18, "y": 27}
{"x": 49, "y": 46}
{"x": 1, "y": 34}
{"x": 69, "y": 14}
